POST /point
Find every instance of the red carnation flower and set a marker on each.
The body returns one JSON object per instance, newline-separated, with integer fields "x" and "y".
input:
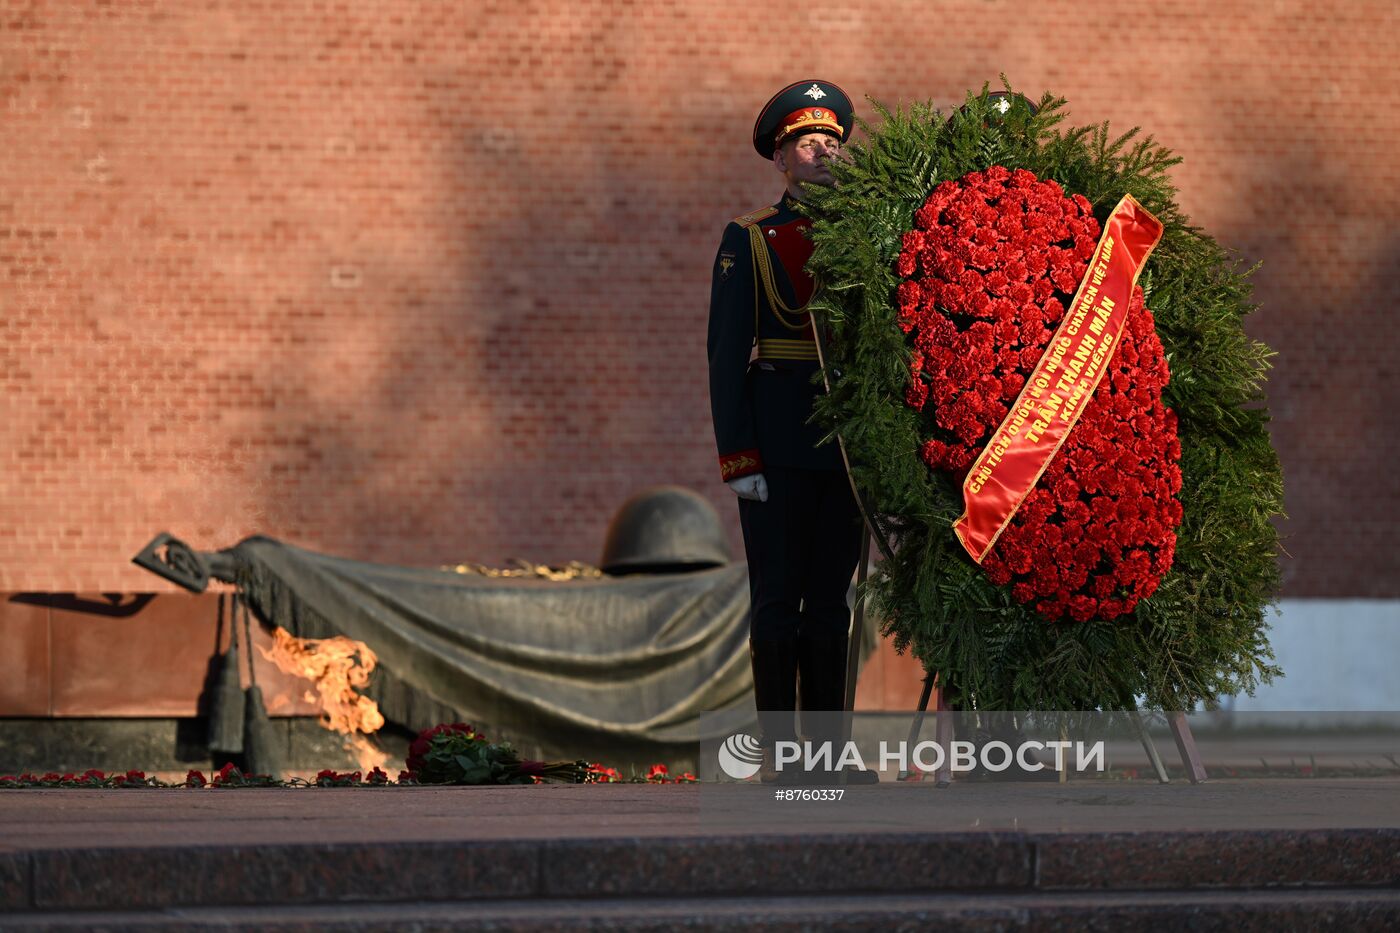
{"x": 1008, "y": 250}
{"x": 906, "y": 263}
{"x": 917, "y": 394}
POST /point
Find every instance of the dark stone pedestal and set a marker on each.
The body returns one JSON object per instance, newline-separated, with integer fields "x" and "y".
{"x": 151, "y": 745}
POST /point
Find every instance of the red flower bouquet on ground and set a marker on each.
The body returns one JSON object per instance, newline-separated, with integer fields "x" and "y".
{"x": 455, "y": 753}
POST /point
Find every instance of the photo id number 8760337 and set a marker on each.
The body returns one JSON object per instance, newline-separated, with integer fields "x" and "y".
{"x": 807, "y": 793}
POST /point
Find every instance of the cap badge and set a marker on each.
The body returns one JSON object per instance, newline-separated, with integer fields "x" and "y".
{"x": 815, "y": 92}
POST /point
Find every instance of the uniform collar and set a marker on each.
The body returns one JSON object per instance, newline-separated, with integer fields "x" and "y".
{"x": 787, "y": 208}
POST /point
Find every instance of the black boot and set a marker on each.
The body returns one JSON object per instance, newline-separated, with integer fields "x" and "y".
{"x": 774, "y": 663}
{"x": 822, "y": 665}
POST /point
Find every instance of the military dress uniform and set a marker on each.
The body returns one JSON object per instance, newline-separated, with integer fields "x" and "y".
{"x": 803, "y": 543}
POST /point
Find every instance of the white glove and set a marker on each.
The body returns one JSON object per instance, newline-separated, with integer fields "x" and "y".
{"x": 753, "y": 486}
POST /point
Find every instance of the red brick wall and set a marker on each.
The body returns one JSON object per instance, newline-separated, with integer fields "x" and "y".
{"x": 427, "y": 282}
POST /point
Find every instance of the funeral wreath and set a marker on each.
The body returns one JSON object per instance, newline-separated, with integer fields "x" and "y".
{"x": 1039, "y": 372}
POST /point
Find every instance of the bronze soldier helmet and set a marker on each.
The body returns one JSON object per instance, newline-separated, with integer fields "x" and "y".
{"x": 664, "y": 529}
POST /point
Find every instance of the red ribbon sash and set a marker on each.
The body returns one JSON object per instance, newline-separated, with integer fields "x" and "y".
{"x": 1062, "y": 382}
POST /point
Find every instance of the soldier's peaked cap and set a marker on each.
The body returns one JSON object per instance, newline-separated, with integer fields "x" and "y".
{"x": 810, "y": 106}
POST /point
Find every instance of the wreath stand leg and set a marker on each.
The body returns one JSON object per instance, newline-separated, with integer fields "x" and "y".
{"x": 942, "y": 730}
{"x": 918, "y": 723}
{"x": 853, "y": 646}
{"x": 1062, "y": 773}
{"x": 1186, "y": 745}
{"x": 1149, "y": 747}
{"x": 943, "y": 735}
{"x": 857, "y": 627}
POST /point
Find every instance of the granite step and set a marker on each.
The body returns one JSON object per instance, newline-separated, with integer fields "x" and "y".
{"x": 727, "y": 866}
{"x": 1250, "y": 854}
{"x": 1039, "y": 911}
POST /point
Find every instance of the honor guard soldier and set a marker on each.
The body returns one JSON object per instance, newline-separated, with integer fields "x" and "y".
{"x": 800, "y": 520}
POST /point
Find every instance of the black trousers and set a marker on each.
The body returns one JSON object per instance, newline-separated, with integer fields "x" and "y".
{"x": 802, "y": 545}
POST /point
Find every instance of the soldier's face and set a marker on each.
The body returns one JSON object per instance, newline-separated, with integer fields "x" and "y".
{"x": 805, "y": 158}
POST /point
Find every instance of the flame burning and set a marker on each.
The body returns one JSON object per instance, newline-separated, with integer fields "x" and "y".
{"x": 336, "y": 666}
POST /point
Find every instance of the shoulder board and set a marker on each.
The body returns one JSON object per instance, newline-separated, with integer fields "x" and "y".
{"x": 748, "y": 220}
